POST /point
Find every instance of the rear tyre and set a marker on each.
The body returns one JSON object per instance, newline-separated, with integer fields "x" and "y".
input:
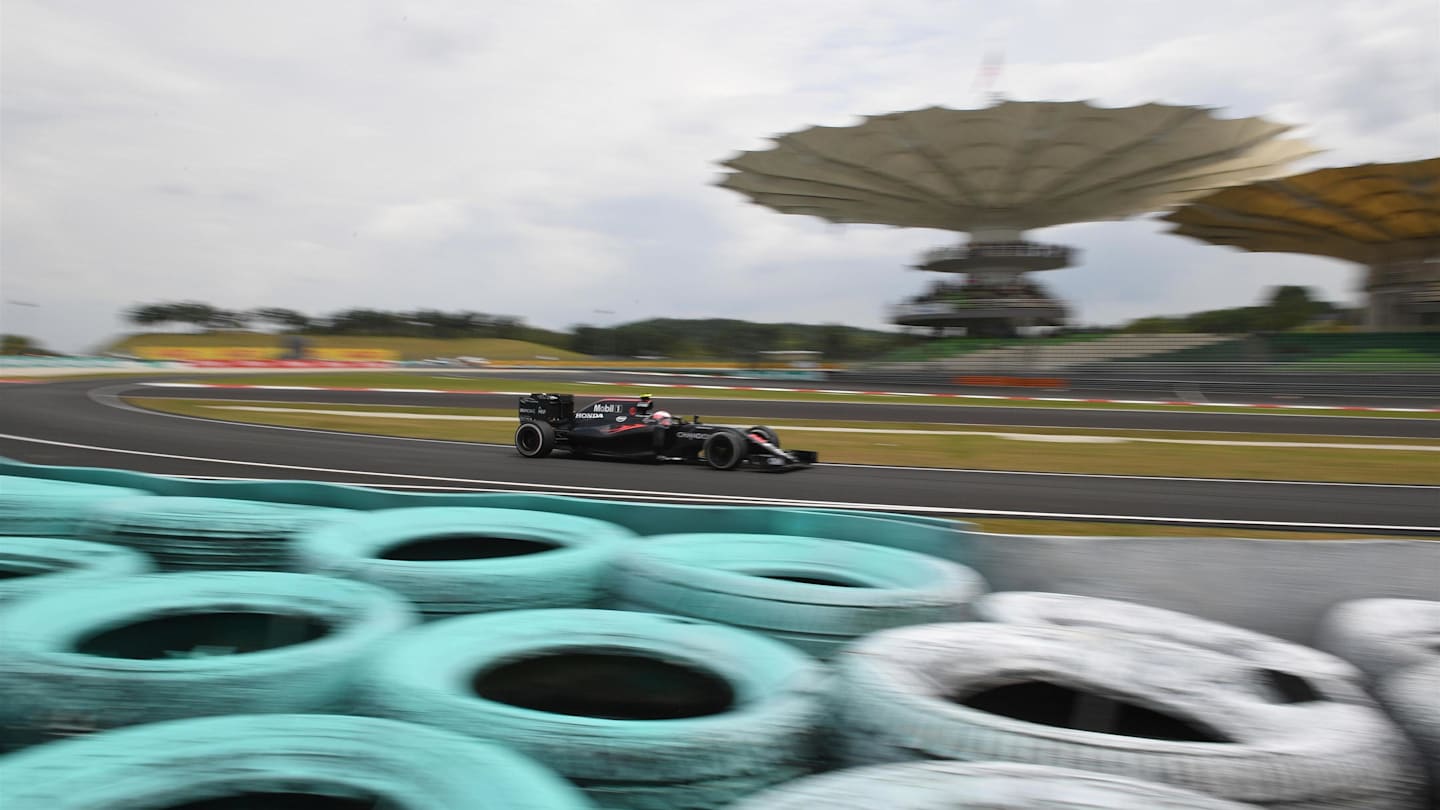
{"x": 724, "y": 450}
{"x": 766, "y": 433}
{"x": 534, "y": 439}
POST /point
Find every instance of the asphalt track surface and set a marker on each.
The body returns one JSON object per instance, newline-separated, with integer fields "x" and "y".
{"x": 84, "y": 423}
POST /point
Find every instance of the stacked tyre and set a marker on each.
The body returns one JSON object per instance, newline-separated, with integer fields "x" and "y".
{"x": 37, "y": 507}
{"x": 1397, "y": 643}
{"x": 280, "y": 761}
{"x": 129, "y": 650}
{"x": 1383, "y": 636}
{"x": 1116, "y": 703}
{"x": 206, "y": 534}
{"x": 641, "y": 711}
{"x": 33, "y": 565}
{"x": 981, "y": 786}
{"x": 1297, "y": 672}
{"x": 1412, "y": 697}
{"x": 456, "y": 560}
{"x": 818, "y": 595}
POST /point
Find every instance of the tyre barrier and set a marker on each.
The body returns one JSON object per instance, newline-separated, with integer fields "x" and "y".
{"x": 37, "y": 507}
{"x": 1412, "y": 697}
{"x": 979, "y": 786}
{"x": 641, "y": 711}
{"x": 206, "y": 534}
{"x": 1381, "y": 636}
{"x": 280, "y": 761}
{"x": 818, "y": 595}
{"x": 140, "y": 649}
{"x": 31, "y": 565}
{"x": 456, "y": 560}
{"x": 1290, "y": 668}
{"x": 1117, "y": 703}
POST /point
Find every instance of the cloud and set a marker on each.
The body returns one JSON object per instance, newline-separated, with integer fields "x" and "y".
{"x": 553, "y": 158}
{"x": 421, "y": 222}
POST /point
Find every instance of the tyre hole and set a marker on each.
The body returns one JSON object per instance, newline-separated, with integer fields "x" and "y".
{"x": 283, "y": 801}
{"x": 16, "y": 570}
{"x": 188, "y": 635}
{"x": 832, "y": 580}
{"x": 464, "y": 547}
{"x": 613, "y": 686}
{"x": 1050, "y": 704}
{"x": 1288, "y": 688}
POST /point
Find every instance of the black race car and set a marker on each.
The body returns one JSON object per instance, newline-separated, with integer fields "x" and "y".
{"x": 631, "y": 427}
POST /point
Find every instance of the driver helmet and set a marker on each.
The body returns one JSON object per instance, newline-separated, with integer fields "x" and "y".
{"x": 661, "y": 417}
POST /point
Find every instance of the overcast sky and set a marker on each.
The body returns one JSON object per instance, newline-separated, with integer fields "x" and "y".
{"x": 553, "y": 159}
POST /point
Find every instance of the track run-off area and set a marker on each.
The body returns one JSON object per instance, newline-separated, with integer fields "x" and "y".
{"x": 89, "y": 423}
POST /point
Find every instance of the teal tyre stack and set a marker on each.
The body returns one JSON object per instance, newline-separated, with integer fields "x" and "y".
{"x": 816, "y": 594}
{"x": 456, "y": 560}
{"x": 140, "y": 649}
{"x": 33, "y": 565}
{"x": 39, "y": 507}
{"x": 206, "y": 534}
{"x": 280, "y": 762}
{"x": 641, "y": 711}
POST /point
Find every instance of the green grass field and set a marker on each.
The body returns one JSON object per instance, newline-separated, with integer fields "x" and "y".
{"x": 974, "y": 452}
{"x": 1111, "y": 452}
{"x": 457, "y": 382}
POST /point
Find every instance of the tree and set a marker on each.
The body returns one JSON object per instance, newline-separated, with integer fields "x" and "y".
{"x": 197, "y": 314}
{"x": 228, "y": 319}
{"x": 17, "y": 344}
{"x": 1290, "y": 307}
{"x": 367, "y": 322}
{"x": 287, "y": 319}
{"x": 150, "y": 314}
{"x": 507, "y": 327}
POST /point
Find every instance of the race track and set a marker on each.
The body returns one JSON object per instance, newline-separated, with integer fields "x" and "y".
{"x": 84, "y": 423}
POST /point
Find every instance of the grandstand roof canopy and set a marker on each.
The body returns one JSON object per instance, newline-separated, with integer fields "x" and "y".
{"x": 1016, "y": 165}
{"x": 1376, "y": 212}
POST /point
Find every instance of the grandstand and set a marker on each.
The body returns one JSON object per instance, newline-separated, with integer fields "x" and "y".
{"x": 996, "y": 173}
{"x": 1384, "y": 217}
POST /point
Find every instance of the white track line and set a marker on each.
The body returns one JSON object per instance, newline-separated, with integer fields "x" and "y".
{"x": 608, "y": 493}
{"x": 1023, "y": 437}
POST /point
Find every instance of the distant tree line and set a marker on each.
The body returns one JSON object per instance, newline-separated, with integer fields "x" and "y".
{"x": 1287, "y": 307}
{"x": 724, "y": 338}
{"x": 424, "y": 323}
{"x": 668, "y": 337}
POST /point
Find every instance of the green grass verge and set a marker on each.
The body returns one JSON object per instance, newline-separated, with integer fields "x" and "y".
{"x": 431, "y": 379}
{"x": 961, "y": 450}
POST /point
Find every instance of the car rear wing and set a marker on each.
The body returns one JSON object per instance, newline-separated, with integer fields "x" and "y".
{"x": 552, "y": 408}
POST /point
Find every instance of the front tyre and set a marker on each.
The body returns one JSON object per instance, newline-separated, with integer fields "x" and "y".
{"x": 725, "y": 449}
{"x": 534, "y": 439}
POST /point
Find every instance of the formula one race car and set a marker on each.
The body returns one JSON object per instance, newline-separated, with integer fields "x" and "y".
{"x": 630, "y": 427}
